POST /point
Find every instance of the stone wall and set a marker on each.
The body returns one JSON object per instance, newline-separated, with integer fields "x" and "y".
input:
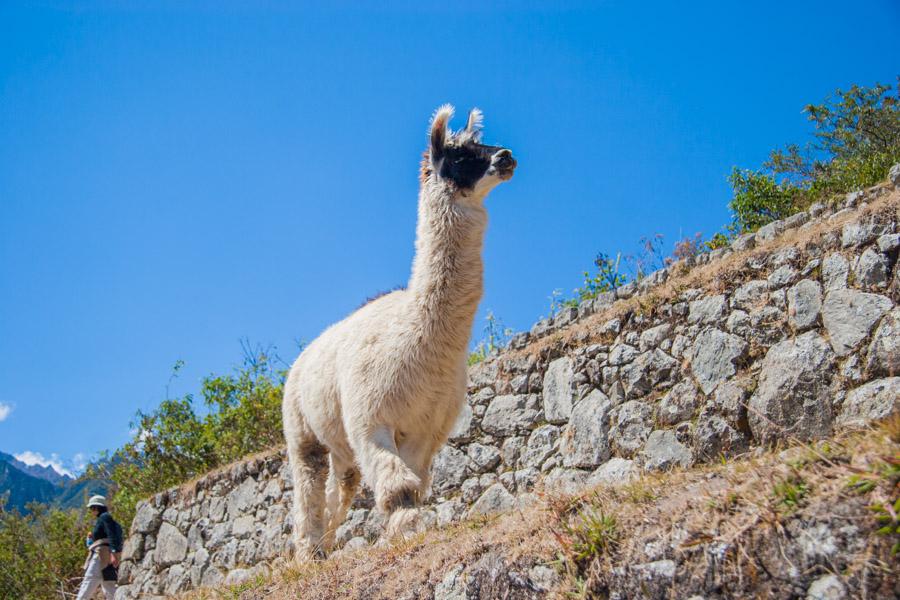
{"x": 787, "y": 334}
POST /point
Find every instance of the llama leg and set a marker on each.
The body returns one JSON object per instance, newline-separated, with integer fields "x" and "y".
{"x": 342, "y": 485}
{"x": 332, "y": 499}
{"x": 395, "y": 484}
{"x": 405, "y": 521}
{"x": 418, "y": 454}
{"x": 309, "y": 468}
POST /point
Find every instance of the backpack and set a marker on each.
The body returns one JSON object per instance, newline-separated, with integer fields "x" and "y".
{"x": 116, "y": 530}
{"x": 111, "y": 573}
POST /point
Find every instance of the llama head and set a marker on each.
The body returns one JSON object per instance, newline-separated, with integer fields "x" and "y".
{"x": 459, "y": 160}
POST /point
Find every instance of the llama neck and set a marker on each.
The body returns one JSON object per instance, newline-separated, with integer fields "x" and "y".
{"x": 446, "y": 281}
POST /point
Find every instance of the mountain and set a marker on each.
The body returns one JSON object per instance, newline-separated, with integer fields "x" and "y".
{"x": 20, "y": 488}
{"x": 46, "y": 473}
{"x": 21, "y": 484}
{"x": 76, "y": 493}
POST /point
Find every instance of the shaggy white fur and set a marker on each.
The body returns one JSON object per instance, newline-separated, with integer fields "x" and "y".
{"x": 380, "y": 391}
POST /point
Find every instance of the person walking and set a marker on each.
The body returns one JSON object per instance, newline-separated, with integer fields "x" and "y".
{"x": 104, "y": 551}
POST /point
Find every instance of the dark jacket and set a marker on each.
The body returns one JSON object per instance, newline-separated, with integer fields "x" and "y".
{"x": 106, "y": 527}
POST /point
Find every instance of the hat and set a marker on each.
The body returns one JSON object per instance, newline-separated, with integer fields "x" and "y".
{"x": 97, "y": 501}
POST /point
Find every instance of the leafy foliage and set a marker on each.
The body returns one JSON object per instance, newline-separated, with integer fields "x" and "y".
{"x": 718, "y": 240}
{"x": 245, "y": 408}
{"x": 759, "y": 199}
{"x": 41, "y": 552}
{"x": 174, "y": 443}
{"x": 856, "y": 139}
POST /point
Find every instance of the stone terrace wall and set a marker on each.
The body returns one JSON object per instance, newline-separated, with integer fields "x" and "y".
{"x": 789, "y": 333}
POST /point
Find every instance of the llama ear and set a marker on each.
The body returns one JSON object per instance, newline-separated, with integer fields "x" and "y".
{"x": 474, "y": 123}
{"x": 439, "y": 131}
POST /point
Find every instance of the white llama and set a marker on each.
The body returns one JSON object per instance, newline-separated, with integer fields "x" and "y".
{"x": 380, "y": 391}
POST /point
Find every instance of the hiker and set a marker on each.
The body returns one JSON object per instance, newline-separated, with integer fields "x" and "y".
{"x": 101, "y": 569}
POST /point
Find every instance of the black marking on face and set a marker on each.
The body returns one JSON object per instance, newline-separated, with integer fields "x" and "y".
{"x": 466, "y": 164}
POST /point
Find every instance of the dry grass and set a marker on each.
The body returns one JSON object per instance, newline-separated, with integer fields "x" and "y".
{"x": 714, "y": 277}
{"x": 402, "y": 568}
{"x": 190, "y": 487}
{"x": 750, "y": 509}
{"x": 753, "y": 510}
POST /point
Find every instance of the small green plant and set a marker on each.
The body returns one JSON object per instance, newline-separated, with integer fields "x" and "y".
{"x": 558, "y": 302}
{"x": 591, "y": 533}
{"x": 496, "y": 337}
{"x": 606, "y": 279}
{"x": 731, "y": 500}
{"x": 639, "y": 491}
{"x": 886, "y": 514}
{"x": 719, "y": 240}
{"x": 790, "y": 492}
{"x": 883, "y": 472}
{"x": 883, "y": 478}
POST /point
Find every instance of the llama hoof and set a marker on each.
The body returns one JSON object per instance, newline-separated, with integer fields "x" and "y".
{"x": 402, "y": 492}
{"x": 404, "y": 524}
{"x": 306, "y": 555}
{"x": 404, "y": 498}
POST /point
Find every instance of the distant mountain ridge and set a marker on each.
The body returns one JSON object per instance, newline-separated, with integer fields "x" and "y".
{"x": 20, "y": 488}
{"x": 21, "y": 484}
{"x": 47, "y": 473}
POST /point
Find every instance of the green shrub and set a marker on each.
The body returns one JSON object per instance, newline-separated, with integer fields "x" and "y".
{"x": 719, "y": 240}
{"x": 589, "y": 534}
{"x": 41, "y": 552}
{"x": 606, "y": 279}
{"x": 856, "y": 139}
{"x": 173, "y": 443}
{"x": 759, "y": 199}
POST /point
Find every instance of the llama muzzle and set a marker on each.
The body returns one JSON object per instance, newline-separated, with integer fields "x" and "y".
{"x": 504, "y": 163}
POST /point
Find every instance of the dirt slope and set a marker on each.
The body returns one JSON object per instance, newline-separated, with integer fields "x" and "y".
{"x": 775, "y": 524}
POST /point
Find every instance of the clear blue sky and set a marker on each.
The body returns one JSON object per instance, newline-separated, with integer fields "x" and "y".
{"x": 174, "y": 179}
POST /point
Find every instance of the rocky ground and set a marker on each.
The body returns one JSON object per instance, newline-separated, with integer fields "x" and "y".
{"x": 795, "y": 523}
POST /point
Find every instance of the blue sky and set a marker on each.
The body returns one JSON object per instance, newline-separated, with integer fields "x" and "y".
{"x": 176, "y": 178}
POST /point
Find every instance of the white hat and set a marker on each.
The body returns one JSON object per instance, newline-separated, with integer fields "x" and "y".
{"x": 97, "y": 501}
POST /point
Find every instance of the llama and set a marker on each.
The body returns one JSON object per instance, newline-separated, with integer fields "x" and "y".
{"x": 379, "y": 391}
